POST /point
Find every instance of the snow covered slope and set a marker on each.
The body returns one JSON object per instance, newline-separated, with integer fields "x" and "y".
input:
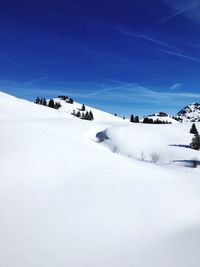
{"x": 190, "y": 113}
{"x": 99, "y": 115}
{"x": 66, "y": 200}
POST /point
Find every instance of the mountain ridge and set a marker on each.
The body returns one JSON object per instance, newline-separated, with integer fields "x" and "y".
{"x": 190, "y": 113}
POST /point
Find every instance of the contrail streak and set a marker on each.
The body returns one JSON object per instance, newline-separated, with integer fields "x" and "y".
{"x": 164, "y": 20}
{"x": 11, "y": 62}
{"x": 178, "y": 54}
{"x": 36, "y": 80}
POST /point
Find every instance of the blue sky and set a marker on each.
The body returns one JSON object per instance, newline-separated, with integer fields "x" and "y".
{"x": 120, "y": 56}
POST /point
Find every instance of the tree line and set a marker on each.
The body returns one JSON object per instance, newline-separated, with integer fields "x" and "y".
{"x": 51, "y": 103}
{"x": 157, "y": 121}
{"x": 135, "y": 119}
{"x": 88, "y": 115}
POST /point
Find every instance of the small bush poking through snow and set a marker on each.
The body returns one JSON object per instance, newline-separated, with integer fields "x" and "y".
{"x": 115, "y": 149}
{"x": 142, "y": 156}
{"x": 154, "y": 157}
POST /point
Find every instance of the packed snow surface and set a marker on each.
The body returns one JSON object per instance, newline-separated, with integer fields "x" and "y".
{"x": 68, "y": 200}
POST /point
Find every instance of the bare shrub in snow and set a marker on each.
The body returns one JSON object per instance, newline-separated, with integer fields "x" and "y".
{"x": 154, "y": 157}
{"x": 115, "y": 149}
{"x": 142, "y": 156}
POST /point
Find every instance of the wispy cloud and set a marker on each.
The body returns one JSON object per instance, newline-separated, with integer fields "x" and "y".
{"x": 176, "y": 86}
{"x": 148, "y": 38}
{"x": 180, "y": 11}
{"x": 189, "y": 9}
{"x": 139, "y": 94}
{"x": 159, "y": 45}
{"x": 141, "y": 36}
{"x": 177, "y": 54}
{"x": 36, "y": 80}
{"x": 136, "y": 94}
{"x": 10, "y": 61}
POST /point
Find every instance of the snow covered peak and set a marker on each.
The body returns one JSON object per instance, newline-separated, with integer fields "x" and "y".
{"x": 162, "y": 117}
{"x": 190, "y": 113}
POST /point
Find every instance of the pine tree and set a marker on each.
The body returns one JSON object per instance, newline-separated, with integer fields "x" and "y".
{"x": 37, "y": 101}
{"x": 83, "y": 107}
{"x": 136, "y": 119}
{"x": 193, "y": 129}
{"x": 57, "y": 105}
{"x": 157, "y": 121}
{"x": 44, "y": 102}
{"x": 132, "y": 119}
{"x": 70, "y": 101}
{"x": 195, "y": 144}
{"x": 51, "y": 103}
{"x": 147, "y": 120}
{"x": 91, "y": 115}
{"x": 87, "y": 116}
{"x": 78, "y": 114}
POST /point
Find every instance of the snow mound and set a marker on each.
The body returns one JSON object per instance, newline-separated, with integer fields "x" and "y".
{"x": 171, "y": 143}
